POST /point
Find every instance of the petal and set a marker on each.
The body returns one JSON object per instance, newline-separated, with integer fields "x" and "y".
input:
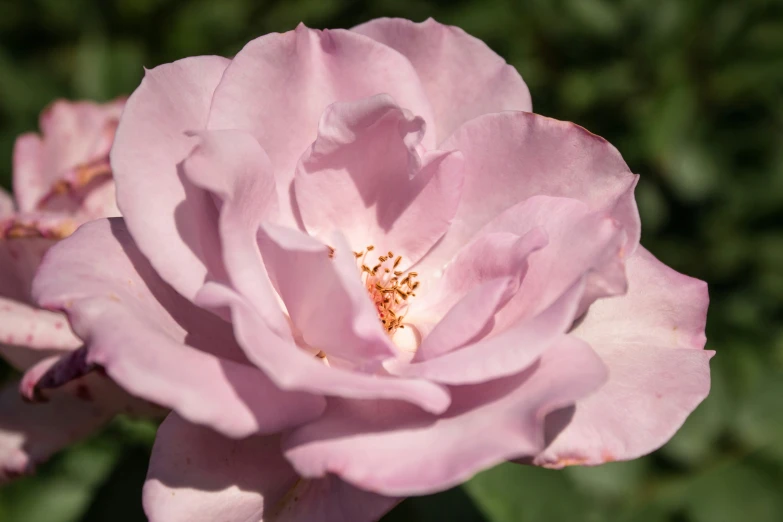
{"x": 32, "y": 333}
{"x": 462, "y": 76}
{"x": 512, "y": 156}
{"x": 75, "y": 133}
{"x": 324, "y": 296}
{"x": 156, "y": 344}
{"x": 505, "y": 353}
{"x": 363, "y": 176}
{"x": 278, "y": 86}
{"x": 169, "y": 220}
{"x": 651, "y": 339}
{"x": 197, "y": 475}
{"x": 235, "y": 169}
{"x": 462, "y": 304}
{"x": 380, "y": 446}
{"x": 6, "y": 204}
{"x": 29, "y": 181}
{"x": 22, "y": 246}
{"x": 580, "y": 243}
{"x": 30, "y": 433}
{"x": 294, "y": 369}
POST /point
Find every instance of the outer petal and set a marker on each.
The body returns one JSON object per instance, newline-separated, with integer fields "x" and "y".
{"x": 32, "y": 333}
{"x": 380, "y": 446}
{"x": 169, "y": 220}
{"x": 154, "y": 343}
{"x": 75, "y": 133}
{"x": 30, "y": 433}
{"x": 278, "y": 86}
{"x": 30, "y": 184}
{"x": 196, "y": 475}
{"x": 363, "y": 176}
{"x": 512, "y": 156}
{"x": 463, "y": 78}
{"x": 6, "y": 204}
{"x": 294, "y": 369}
{"x": 22, "y": 246}
{"x": 651, "y": 339}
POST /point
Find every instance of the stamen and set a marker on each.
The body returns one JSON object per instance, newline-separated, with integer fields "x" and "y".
{"x": 389, "y": 288}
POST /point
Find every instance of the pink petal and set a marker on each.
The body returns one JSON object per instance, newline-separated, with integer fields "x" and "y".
{"x": 512, "y": 156}
{"x": 20, "y": 257}
{"x": 278, "y": 86}
{"x": 30, "y": 183}
{"x": 400, "y": 202}
{"x": 197, "y": 475}
{"x": 294, "y": 369}
{"x": 30, "y": 433}
{"x": 324, "y": 295}
{"x": 73, "y": 134}
{"x": 381, "y": 446}
{"x": 169, "y": 219}
{"x": 32, "y": 333}
{"x": 483, "y": 277}
{"x": 462, "y": 76}
{"x": 156, "y": 344}
{"x": 76, "y": 132}
{"x": 505, "y": 353}
{"x": 581, "y": 243}
{"x": 6, "y": 204}
{"x": 651, "y": 339}
{"x": 232, "y": 166}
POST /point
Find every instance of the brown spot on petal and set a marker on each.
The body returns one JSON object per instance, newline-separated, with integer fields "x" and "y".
{"x": 84, "y": 393}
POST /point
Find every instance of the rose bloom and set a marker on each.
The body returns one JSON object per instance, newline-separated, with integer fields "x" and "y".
{"x": 356, "y": 267}
{"x": 62, "y": 179}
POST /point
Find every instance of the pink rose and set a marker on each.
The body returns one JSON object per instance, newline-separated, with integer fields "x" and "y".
{"x": 356, "y": 267}
{"x": 61, "y": 179}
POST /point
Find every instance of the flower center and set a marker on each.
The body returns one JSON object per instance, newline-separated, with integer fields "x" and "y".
{"x": 390, "y": 289}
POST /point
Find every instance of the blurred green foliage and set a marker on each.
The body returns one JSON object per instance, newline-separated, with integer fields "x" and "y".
{"x": 691, "y": 93}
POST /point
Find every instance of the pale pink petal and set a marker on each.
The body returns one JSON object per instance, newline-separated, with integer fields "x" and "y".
{"x": 459, "y": 306}
{"x": 401, "y": 203}
{"x": 30, "y": 183}
{"x": 294, "y": 369}
{"x": 278, "y": 86}
{"x": 28, "y": 334}
{"x": 512, "y": 156}
{"x": 74, "y": 133}
{"x": 651, "y": 339}
{"x": 462, "y": 76}
{"x": 505, "y": 353}
{"x": 393, "y": 449}
{"x": 196, "y": 475}
{"x": 171, "y": 221}
{"x": 324, "y": 295}
{"x": 235, "y": 169}
{"x": 30, "y": 433}
{"x": 156, "y": 344}
{"x": 22, "y": 246}
{"x": 6, "y": 204}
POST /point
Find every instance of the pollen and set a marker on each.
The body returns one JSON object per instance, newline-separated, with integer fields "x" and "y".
{"x": 389, "y": 288}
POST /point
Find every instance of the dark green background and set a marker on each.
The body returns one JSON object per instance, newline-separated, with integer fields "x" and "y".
{"x": 691, "y": 93}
